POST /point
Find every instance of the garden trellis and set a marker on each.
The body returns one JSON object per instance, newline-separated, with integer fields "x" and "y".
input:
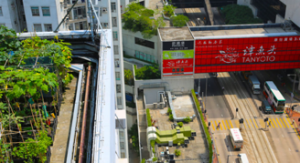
{"x": 33, "y": 73}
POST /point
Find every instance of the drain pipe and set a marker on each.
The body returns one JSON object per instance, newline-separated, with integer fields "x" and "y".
{"x": 82, "y": 137}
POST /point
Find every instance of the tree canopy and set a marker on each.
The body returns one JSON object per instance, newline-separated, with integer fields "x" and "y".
{"x": 169, "y": 10}
{"x": 179, "y": 20}
{"x": 138, "y": 18}
{"x": 237, "y": 14}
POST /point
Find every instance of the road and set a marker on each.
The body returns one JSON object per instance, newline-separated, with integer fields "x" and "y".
{"x": 215, "y": 103}
{"x": 218, "y": 18}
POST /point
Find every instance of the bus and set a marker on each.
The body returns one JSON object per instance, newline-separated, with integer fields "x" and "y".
{"x": 274, "y": 97}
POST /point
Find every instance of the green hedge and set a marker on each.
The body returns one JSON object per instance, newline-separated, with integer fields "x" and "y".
{"x": 149, "y": 123}
{"x": 204, "y": 125}
{"x": 143, "y": 160}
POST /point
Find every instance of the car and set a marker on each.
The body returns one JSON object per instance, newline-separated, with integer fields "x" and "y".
{"x": 265, "y": 107}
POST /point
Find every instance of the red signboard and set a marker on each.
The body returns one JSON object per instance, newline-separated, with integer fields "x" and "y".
{"x": 242, "y": 54}
{"x": 173, "y": 67}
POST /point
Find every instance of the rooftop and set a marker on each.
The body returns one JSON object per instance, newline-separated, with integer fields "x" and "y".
{"x": 241, "y": 30}
{"x": 175, "y": 34}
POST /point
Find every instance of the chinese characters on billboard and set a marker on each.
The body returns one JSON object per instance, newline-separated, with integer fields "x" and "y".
{"x": 178, "y": 58}
{"x": 242, "y": 54}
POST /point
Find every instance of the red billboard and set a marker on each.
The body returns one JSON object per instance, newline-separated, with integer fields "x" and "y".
{"x": 173, "y": 67}
{"x": 243, "y": 54}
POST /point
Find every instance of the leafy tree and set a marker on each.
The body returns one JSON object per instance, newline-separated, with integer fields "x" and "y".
{"x": 187, "y": 119}
{"x": 237, "y": 14}
{"x": 179, "y": 20}
{"x": 169, "y": 111}
{"x": 133, "y": 133}
{"x": 4, "y": 150}
{"x": 8, "y": 40}
{"x": 180, "y": 124}
{"x": 128, "y": 77}
{"x": 147, "y": 72}
{"x": 171, "y": 118}
{"x": 137, "y": 18}
{"x": 169, "y": 10}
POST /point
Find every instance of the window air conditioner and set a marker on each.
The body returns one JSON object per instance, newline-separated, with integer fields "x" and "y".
{"x": 104, "y": 9}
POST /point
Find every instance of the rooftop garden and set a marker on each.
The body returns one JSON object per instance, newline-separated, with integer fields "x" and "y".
{"x": 147, "y": 72}
{"x": 138, "y": 18}
{"x": 33, "y": 73}
{"x": 237, "y": 14}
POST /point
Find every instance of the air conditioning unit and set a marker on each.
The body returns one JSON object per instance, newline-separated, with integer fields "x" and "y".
{"x": 104, "y": 9}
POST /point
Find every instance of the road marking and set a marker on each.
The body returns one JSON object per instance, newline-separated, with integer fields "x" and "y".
{"x": 230, "y": 124}
{"x": 255, "y": 123}
{"x": 237, "y": 123}
{"x": 224, "y": 125}
{"x": 227, "y": 124}
{"x": 286, "y": 123}
{"x": 212, "y": 125}
{"x": 274, "y": 122}
{"x": 221, "y": 128}
{"x": 282, "y": 122}
{"x": 248, "y": 123}
{"x": 278, "y": 122}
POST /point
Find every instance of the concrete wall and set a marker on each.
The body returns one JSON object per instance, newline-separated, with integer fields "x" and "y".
{"x": 180, "y": 84}
{"x": 152, "y": 95}
{"x": 292, "y": 10}
{"x": 130, "y": 47}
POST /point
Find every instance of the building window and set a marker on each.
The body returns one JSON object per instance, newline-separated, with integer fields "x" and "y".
{"x": 81, "y": 25}
{"x": 71, "y": 27}
{"x": 116, "y": 49}
{"x": 117, "y": 64}
{"x": 1, "y": 12}
{"x": 117, "y": 75}
{"x": 104, "y": 25}
{"x": 48, "y": 27}
{"x": 123, "y": 155}
{"x": 35, "y": 11}
{"x": 79, "y": 12}
{"x": 118, "y": 88}
{"x": 113, "y": 6}
{"x": 46, "y": 11}
{"x": 119, "y": 100}
{"x": 121, "y": 133}
{"x": 115, "y": 35}
{"x": 122, "y": 145}
{"x": 114, "y": 21}
{"x": 145, "y": 43}
{"x": 37, "y": 27}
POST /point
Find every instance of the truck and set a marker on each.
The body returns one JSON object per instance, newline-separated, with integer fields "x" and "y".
{"x": 236, "y": 138}
{"x": 254, "y": 84}
{"x": 246, "y": 74}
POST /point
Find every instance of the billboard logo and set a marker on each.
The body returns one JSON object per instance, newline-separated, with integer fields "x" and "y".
{"x": 229, "y": 57}
{"x": 178, "y": 44}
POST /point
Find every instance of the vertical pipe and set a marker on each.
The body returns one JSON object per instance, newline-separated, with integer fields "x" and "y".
{"x": 82, "y": 137}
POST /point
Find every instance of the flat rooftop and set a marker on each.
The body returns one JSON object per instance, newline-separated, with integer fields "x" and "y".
{"x": 175, "y": 34}
{"x": 225, "y": 31}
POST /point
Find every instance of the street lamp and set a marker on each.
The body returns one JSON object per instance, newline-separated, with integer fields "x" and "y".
{"x": 292, "y": 94}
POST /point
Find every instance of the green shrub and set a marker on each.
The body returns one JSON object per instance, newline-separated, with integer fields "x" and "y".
{"x": 147, "y": 72}
{"x": 149, "y": 122}
{"x": 177, "y": 152}
{"x": 154, "y": 159}
{"x": 169, "y": 111}
{"x": 130, "y": 104}
{"x": 169, "y": 10}
{"x": 204, "y": 125}
{"x": 171, "y": 117}
{"x": 133, "y": 134}
{"x": 152, "y": 142}
{"x": 179, "y": 20}
{"x": 143, "y": 160}
{"x": 128, "y": 77}
{"x": 180, "y": 124}
{"x": 153, "y": 150}
{"x": 237, "y": 14}
{"x": 187, "y": 119}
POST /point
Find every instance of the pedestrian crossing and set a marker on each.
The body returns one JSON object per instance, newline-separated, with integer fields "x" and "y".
{"x": 251, "y": 123}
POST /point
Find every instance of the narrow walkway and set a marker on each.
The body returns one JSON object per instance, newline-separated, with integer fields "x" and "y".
{"x": 59, "y": 148}
{"x": 142, "y": 126}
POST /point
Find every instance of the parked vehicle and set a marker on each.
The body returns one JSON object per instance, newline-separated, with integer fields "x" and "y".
{"x": 254, "y": 84}
{"x": 265, "y": 107}
{"x": 236, "y": 138}
{"x": 246, "y": 74}
{"x": 243, "y": 158}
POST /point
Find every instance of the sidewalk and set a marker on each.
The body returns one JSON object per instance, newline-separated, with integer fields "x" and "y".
{"x": 294, "y": 116}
